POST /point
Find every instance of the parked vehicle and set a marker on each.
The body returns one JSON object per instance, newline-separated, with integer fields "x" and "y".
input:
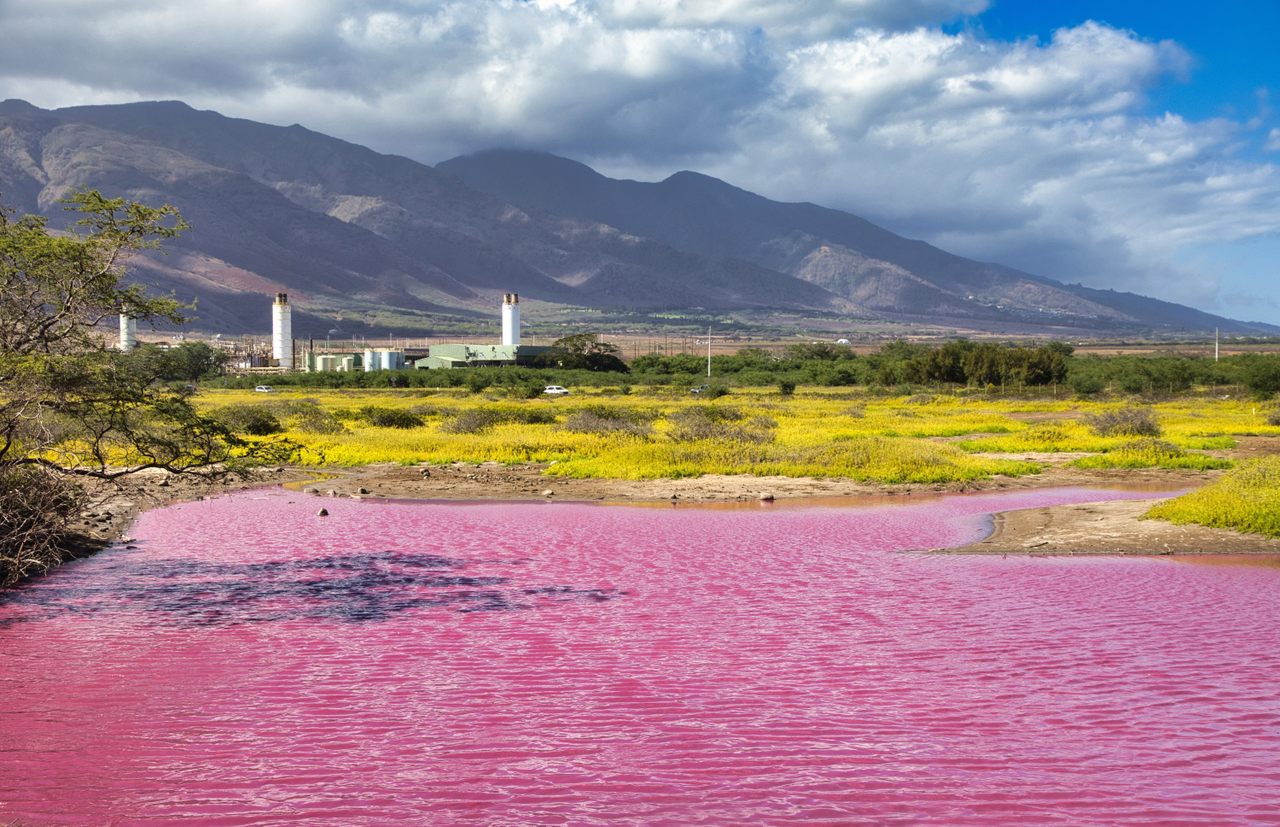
{"x": 264, "y": 389}
{"x": 700, "y": 389}
{"x": 555, "y": 390}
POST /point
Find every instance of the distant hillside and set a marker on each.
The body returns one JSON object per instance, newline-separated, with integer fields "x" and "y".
{"x": 363, "y": 240}
{"x": 339, "y": 226}
{"x": 873, "y": 268}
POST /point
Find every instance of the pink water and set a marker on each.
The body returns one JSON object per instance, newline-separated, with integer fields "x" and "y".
{"x": 251, "y": 663}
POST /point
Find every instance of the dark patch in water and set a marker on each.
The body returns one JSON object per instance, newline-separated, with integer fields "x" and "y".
{"x": 350, "y": 588}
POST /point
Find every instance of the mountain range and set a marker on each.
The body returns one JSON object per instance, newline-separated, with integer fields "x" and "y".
{"x": 364, "y": 240}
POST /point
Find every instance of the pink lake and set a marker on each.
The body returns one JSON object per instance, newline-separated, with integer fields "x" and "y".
{"x": 251, "y": 663}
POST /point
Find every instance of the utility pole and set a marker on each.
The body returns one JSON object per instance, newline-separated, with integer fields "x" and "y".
{"x": 708, "y": 351}
{"x": 1215, "y": 345}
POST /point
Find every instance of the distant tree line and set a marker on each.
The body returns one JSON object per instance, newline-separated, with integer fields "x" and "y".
{"x": 584, "y": 360}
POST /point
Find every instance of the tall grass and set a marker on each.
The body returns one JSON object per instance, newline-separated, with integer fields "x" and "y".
{"x": 1246, "y": 499}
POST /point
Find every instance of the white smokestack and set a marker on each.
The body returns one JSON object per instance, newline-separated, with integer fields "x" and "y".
{"x": 282, "y": 331}
{"x": 510, "y": 319}
{"x": 128, "y": 332}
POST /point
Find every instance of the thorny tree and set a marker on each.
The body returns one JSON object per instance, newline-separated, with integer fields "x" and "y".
{"x": 69, "y": 406}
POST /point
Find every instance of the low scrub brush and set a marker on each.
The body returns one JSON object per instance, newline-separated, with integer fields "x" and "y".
{"x": 1125, "y": 422}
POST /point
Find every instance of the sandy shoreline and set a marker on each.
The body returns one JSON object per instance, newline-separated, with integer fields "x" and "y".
{"x": 1109, "y": 527}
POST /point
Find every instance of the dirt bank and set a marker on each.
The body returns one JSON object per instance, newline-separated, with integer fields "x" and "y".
{"x": 492, "y": 481}
{"x": 1113, "y": 527}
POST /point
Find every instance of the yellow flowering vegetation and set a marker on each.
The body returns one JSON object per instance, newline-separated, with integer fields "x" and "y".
{"x": 1246, "y": 499}
{"x": 662, "y": 434}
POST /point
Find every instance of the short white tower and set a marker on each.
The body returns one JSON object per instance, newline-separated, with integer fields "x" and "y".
{"x": 128, "y": 333}
{"x": 282, "y": 331}
{"x": 510, "y": 319}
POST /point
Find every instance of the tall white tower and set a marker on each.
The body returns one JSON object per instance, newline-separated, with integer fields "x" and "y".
{"x": 510, "y": 319}
{"x": 128, "y": 333}
{"x": 282, "y": 331}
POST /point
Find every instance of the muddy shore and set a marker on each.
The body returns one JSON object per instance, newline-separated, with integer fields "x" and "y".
{"x": 1097, "y": 528}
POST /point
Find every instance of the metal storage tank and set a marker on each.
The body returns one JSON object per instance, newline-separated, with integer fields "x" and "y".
{"x": 282, "y": 331}
{"x": 371, "y": 360}
{"x": 510, "y": 319}
{"x": 128, "y": 332}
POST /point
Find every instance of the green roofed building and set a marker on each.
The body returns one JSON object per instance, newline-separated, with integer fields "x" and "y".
{"x": 475, "y": 356}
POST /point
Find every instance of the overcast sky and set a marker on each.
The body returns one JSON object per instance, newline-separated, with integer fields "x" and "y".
{"x": 1134, "y": 149}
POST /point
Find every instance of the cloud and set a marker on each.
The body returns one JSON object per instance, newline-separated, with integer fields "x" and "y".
{"x": 788, "y": 18}
{"x": 1038, "y": 154}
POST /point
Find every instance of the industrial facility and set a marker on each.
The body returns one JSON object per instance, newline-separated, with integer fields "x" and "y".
{"x": 434, "y": 357}
{"x": 509, "y": 352}
{"x": 285, "y": 355}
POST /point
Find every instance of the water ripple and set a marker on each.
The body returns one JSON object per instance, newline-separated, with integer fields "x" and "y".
{"x": 249, "y": 663}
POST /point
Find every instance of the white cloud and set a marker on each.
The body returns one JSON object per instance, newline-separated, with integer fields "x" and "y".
{"x": 1033, "y": 153}
{"x": 786, "y": 17}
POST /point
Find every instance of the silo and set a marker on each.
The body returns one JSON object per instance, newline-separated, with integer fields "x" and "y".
{"x": 128, "y": 332}
{"x": 371, "y": 360}
{"x": 510, "y": 319}
{"x": 282, "y": 331}
{"x": 326, "y": 364}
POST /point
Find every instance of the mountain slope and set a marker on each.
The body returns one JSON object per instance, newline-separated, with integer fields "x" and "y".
{"x": 364, "y": 240}
{"x": 343, "y": 229}
{"x": 866, "y": 264}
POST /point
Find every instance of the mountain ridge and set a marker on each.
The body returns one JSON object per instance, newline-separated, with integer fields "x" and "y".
{"x": 874, "y": 268}
{"x": 364, "y": 239}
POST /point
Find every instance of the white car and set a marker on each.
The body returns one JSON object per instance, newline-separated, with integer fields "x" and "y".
{"x": 555, "y": 390}
{"x": 264, "y": 389}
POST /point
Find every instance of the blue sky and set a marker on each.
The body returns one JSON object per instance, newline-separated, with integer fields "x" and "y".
{"x": 1133, "y": 146}
{"x": 1233, "y": 45}
{"x": 1234, "y": 74}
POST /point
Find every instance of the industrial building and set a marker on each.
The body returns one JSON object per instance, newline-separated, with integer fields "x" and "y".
{"x": 510, "y": 352}
{"x": 478, "y": 356}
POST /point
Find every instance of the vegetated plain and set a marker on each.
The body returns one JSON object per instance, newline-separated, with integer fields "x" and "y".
{"x": 655, "y": 432}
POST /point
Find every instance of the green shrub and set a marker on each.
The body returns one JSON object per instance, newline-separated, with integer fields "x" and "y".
{"x": 308, "y": 417}
{"x": 591, "y": 422}
{"x": 786, "y": 387}
{"x": 254, "y": 420}
{"x": 525, "y": 390}
{"x": 473, "y": 421}
{"x": 1125, "y": 422}
{"x": 478, "y": 420}
{"x": 390, "y": 417}
{"x": 1085, "y": 384}
{"x": 719, "y": 423}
